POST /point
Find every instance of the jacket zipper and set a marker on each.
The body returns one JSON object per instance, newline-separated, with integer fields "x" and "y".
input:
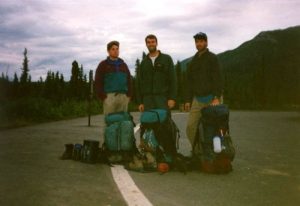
{"x": 153, "y": 72}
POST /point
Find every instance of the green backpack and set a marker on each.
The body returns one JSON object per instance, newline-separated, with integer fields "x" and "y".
{"x": 119, "y": 132}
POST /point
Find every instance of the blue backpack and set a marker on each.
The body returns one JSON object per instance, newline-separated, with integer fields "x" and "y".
{"x": 119, "y": 132}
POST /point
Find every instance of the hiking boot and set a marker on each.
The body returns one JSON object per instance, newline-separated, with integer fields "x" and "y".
{"x": 67, "y": 155}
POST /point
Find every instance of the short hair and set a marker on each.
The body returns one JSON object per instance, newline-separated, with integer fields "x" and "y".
{"x": 150, "y": 36}
{"x": 111, "y": 44}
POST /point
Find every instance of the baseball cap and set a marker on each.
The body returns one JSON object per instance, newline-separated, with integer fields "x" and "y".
{"x": 200, "y": 35}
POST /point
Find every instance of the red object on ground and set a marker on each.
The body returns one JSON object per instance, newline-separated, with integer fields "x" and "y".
{"x": 162, "y": 167}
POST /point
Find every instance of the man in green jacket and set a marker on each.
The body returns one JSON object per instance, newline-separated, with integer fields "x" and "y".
{"x": 203, "y": 85}
{"x": 156, "y": 82}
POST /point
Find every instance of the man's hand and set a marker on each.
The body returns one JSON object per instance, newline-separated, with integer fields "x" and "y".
{"x": 187, "y": 107}
{"x": 215, "y": 102}
{"x": 171, "y": 103}
{"x": 141, "y": 107}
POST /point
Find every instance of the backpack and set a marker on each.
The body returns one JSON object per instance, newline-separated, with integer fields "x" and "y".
{"x": 159, "y": 134}
{"x": 215, "y": 122}
{"x": 119, "y": 132}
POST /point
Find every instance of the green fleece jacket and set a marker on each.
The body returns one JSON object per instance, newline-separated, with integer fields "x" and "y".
{"x": 159, "y": 79}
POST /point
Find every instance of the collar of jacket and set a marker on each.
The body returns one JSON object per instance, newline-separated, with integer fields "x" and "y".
{"x": 117, "y": 62}
{"x": 159, "y": 53}
{"x": 199, "y": 54}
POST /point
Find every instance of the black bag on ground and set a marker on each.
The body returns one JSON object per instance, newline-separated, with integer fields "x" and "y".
{"x": 90, "y": 151}
{"x": 77, "y": 152}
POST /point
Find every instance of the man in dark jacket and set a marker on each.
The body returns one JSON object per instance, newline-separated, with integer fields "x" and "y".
{"x": 113, "y": 81}
{"x": 204, "y": 85}
{"x": 156, "y": 83}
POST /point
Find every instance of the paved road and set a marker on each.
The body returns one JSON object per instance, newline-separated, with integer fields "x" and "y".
{"x": 266, "y": 169}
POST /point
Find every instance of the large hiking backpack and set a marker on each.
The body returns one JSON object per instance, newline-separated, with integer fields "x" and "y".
{"x": 119, "y": 132}
{"x": 215, "y": 122}
{"x": 159, "y": 134}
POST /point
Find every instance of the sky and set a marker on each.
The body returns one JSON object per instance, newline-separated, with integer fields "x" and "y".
{"x": 56, "y": 33}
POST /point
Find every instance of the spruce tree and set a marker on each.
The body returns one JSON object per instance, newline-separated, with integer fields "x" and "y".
{"x": 135, "y": 79}
{"x": 74, "y": 81}
{"x": 25, "y": 70}
{"x": 137, "y": 67}
{"x": 16, "y": 79}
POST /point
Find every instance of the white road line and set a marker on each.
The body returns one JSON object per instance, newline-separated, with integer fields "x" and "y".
{"x": 130, "y": 192}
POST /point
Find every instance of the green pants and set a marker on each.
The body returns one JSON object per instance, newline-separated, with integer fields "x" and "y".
{"x": 155, "y": 102}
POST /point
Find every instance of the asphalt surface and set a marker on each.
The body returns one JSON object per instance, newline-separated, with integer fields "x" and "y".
{"x": 266, "y": 168}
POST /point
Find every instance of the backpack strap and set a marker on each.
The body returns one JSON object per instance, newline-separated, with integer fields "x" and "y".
{"x": 177, "y": 133}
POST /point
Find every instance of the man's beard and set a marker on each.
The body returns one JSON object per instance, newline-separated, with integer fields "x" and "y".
{"x": 152, "y": 49}
{"x": 200, "y": 49}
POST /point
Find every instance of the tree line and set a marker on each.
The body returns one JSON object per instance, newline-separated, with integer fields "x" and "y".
{"x": 54, "y": 87}
{"x": 53, "y": 98}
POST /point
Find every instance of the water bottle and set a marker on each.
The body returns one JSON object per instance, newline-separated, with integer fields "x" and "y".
{"x": 217, "y": 144}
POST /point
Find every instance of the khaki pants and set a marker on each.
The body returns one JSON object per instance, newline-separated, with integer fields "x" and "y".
{"x": 193, "y": 122}
{"x": 115, "y": 102}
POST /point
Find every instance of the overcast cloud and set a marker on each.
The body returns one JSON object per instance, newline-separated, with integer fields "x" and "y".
{"x": 56, "y": 33}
